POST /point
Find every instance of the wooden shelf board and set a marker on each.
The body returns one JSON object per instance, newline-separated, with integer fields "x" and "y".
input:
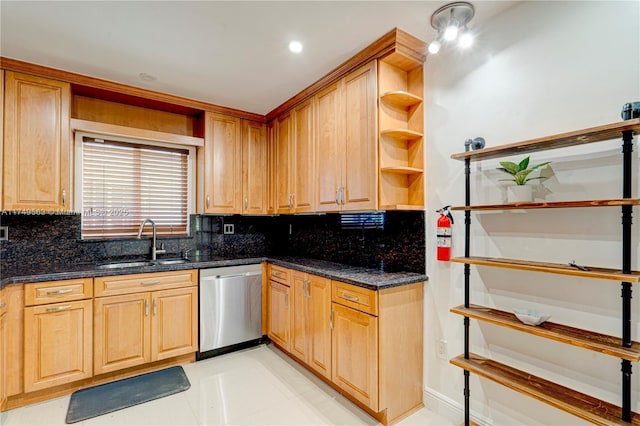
{"x": 402, "y": 170}
{"x": 554, "y": 204}
{"x": 401, "y": 207}
{"x": 401, "y": 134}
{"x": 561, "y": 140}
{"x": 552, "y": 268}
{"x": 602, "y": 343}
{"x": 579, "y": 404}
{"x": 400, "y": 98}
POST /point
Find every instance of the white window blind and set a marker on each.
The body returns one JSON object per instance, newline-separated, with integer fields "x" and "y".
{"x": 124, "y": 183}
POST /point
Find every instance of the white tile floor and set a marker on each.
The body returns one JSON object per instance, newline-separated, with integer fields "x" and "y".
{"x": 256, "y": 386}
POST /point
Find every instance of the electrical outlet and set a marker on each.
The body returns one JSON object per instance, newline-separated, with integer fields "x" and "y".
{"x": 442, "y": 349}
{"x": 228, "y": 229}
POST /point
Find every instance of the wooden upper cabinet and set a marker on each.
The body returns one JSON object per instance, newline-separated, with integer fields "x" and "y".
{"x": 331, "y": 160}
{"x": 347, "y": 155}
{"x": 222, "y": 180}
{"x": 360, "y": 176}
{"x": 255, "y": 161}
{"x": 283, "y": 164}
{"x": 36, "y": 163}
{"x": 303, "y": 174}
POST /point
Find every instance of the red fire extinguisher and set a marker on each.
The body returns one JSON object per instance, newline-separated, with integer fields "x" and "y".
{"x": 444, "y": 233}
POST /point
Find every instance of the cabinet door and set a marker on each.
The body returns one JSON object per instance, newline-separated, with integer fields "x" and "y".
{"x": 299, "y": 325}
{"x": 330, "y": 155}
{"x": 355, "y": 354}
{"x": 222, "y": 164}
{"x": 283, "y": 164}
{"x": 121, "y": 330}
{"x": 174, "y": 322}
{"x": 303, "y": 173}
{"x": 3, "y": 358}
{"x": 58, "y": 344}
{"x": 255, "y": 157}
{"x": 36, "y": 143}
{"x": 279, "y": 328}
{"x": 319, "y": 331}
{"x": 360, "y": 177}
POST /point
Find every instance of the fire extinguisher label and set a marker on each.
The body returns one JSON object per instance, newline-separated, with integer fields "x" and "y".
{"x": 444, "y": 241}
{"x": 444, "y": 232}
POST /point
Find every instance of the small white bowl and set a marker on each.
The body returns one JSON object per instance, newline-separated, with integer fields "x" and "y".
{"x": 531, "y": 316}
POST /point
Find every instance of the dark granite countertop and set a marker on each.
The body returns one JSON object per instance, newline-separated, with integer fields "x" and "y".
{"x": 364, "y": 277}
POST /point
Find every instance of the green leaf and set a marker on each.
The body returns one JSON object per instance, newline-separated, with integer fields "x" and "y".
{"x": 537, "y": 166}
{"x": 521, "y": 176}
{"x": 509, "y": 167}
{"x": 523, "y": 164}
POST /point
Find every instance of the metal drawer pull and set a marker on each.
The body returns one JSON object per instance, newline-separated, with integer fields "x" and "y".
{"x": 151, "y": 282}
{"x": 56, "y": 292}
{"x": 58, "y": 308}
{"x": 277, "y": 274}
{"x": 286, "y": 299}
{"x": 350, "y": 297}
{"x": 146, "y": 307}
{"x": 155, "y": 306}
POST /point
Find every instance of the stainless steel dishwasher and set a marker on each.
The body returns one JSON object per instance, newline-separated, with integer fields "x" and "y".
{"x": 230, "y": 309}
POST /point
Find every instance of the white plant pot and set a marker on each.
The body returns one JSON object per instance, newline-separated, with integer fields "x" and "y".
{"x": 520, "y": 194}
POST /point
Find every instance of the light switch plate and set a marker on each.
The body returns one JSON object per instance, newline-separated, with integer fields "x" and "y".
{"x": 228, "y": 229}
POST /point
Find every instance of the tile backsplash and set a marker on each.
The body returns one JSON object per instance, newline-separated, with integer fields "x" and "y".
{"x": 54, "y": 239}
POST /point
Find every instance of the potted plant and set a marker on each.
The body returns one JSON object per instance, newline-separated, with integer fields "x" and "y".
{"x": 520, "y": 172}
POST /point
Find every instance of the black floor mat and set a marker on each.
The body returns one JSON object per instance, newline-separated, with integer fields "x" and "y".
{"x": 103, "y": 399}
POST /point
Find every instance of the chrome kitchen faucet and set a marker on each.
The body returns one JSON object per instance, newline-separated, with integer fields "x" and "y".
{"x": 154, "y": 250}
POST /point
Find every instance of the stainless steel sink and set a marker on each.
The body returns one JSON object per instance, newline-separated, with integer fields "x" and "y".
{"x": 124, "y": 265}
{"x": 172, "y": 261}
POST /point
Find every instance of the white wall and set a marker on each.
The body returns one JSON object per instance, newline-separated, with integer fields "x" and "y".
{"x": 537, "y": 69}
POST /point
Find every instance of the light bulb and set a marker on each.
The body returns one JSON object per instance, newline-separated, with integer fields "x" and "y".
{"x": 466, "y": 39}
{"x": 451, "y": 32}
{"x": 295, "y": 46}
{"x": 434, "y": 47}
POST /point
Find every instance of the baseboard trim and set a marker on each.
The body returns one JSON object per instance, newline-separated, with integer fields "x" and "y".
{"x": 450, "y": 408}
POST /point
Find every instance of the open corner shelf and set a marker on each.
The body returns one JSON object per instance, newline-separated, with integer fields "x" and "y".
{"x": 402, "y": 134}
{"x": 569, "y": 400}
{"x": 579, "y": 404}
{"x": 402, "y": 170}
{"x": 409, "y": 207}
{"x": 400, "y": 98}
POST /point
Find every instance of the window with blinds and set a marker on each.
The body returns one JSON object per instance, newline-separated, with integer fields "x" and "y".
{"x": 124, "y": 183}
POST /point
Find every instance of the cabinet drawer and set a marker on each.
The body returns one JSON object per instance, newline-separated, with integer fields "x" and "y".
{"x": 57, "y": 291}
{"x": 359, "y": 298}
{"x": 135, "y": 283}
{"x": 279, "y": 274}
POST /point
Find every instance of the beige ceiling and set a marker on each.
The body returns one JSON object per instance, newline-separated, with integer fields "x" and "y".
{"x": 231, "y": 53}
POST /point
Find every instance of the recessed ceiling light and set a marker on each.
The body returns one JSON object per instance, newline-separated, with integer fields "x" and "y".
{"x": 147, "y": 77}
{"x": 295, "y": 46}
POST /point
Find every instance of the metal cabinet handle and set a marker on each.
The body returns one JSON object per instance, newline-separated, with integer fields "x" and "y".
{"x": 150, "y": 282}
{"x": 331, "y": 319}
{"x": 208, "y": 201}
{"x": 146, "y": 307}
{"x": 276, "y": 274}
{"x": 64, "y": 198}
{"x": 59, "y": 308}
{"x": 338, "y": 196}
{"x": 286, "y": 299}
{"x": 350, "y": 297}
{"x": 307, "y": 288}
{"x": 246, "y": 203}
{"x": 58, "y": 292}
{"x": 342, "y": 196}
{"x": 155, "y": 306}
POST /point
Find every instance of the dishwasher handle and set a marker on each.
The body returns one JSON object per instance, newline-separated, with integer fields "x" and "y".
{"x": 245, "y": 274}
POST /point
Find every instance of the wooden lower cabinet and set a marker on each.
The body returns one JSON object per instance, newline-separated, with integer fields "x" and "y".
{"x": 355, "y": 354}
{"x": 369, "y": 346}
{"x": 58, "y": 344}
{"x": 311, "y": 332}
{"x": 138, "y": 328}
{"x": 3, "y": 349}
{"x": 279, "y": 314}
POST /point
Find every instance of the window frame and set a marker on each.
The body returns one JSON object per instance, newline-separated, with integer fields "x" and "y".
{"x": 78, "y": 177}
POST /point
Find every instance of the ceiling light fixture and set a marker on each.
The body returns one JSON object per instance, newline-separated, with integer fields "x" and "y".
{"x": 451, "y": 23}
{"x": 295, "y": 46}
